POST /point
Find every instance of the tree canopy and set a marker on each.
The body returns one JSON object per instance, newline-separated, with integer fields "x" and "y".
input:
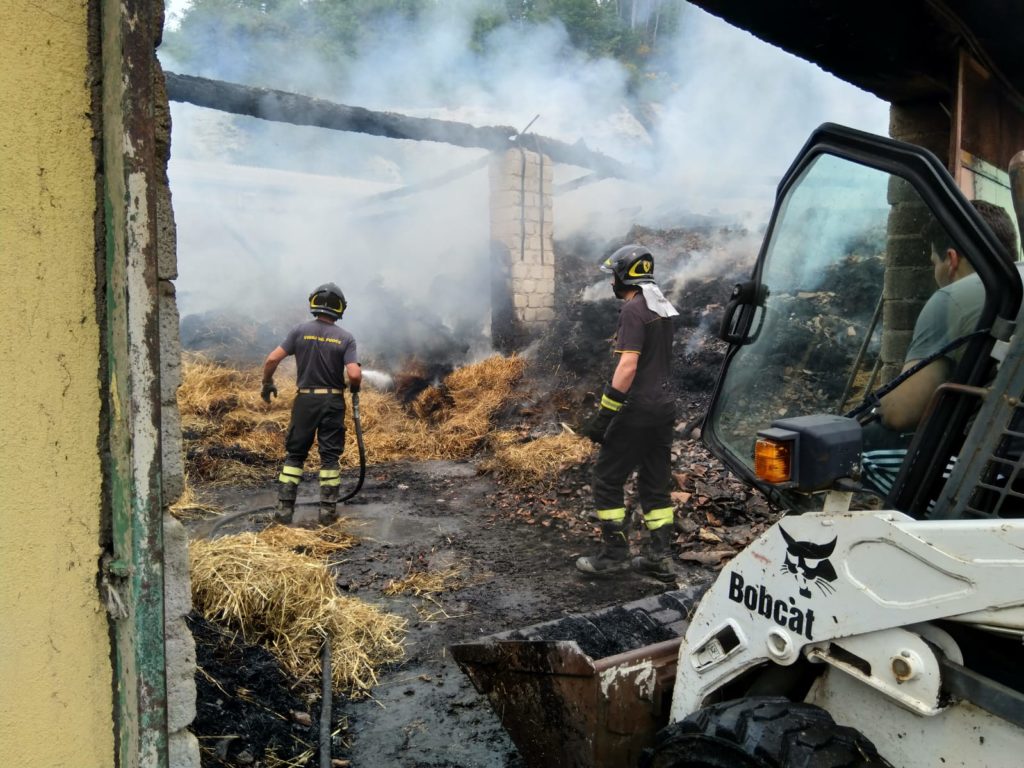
{"x": 258, "y": 41}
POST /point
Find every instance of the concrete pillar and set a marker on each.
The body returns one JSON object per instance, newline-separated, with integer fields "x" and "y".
{"x": 908, "y": 273}
{"x": 179, "y": 644}
{"x": 522, "y": 250}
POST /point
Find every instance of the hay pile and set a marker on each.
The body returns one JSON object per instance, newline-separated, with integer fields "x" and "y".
{"x": 193, "y": 503}
{"x": 476, "y": 392}
{"x": 320, "y": 543}
{"x": 233, "y": 437}
{"x": 286, "y": 600}
{"x": 536, "y": 463}
{"x": 426, "y": 582}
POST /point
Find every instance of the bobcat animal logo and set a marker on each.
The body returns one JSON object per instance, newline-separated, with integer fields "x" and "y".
{"x": 809, "y": 563}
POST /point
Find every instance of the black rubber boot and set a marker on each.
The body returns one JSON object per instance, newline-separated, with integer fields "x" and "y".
{"x": 329, "y": 504}
{"x": 655, "y": 558}
{"x": 285, "y": 511}
{"x": 614, "y": 555}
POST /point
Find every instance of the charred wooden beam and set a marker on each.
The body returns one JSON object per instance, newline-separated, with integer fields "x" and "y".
{"x": 294, "y": 108}
{"x": 432, "y": 183}
{"x": 581, "y": 181}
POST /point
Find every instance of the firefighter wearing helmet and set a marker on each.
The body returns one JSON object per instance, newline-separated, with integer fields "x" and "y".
{"x": 324, "y": 353}
{"x": 634, "y": 422}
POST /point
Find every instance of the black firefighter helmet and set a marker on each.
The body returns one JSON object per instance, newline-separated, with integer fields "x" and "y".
{"x": 327, "y": 299}
{"x": 631, "y": 264}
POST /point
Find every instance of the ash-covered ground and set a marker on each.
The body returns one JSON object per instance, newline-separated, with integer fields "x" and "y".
{"x": 514, "y": 548}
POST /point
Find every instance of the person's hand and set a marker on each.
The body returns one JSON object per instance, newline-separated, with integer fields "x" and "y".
{"x": 268, "y": 390}
{"x": 597, "y": 425}
{"x": 612, "y": 401}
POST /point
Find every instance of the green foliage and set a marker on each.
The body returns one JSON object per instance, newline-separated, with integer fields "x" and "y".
{"x": 593, "y": 27}
{"x": 254, "y": 41}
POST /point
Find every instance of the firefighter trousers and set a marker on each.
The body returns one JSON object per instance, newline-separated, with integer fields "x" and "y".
{"x": 316, "y": 416}
{"x": 634, "y": 444}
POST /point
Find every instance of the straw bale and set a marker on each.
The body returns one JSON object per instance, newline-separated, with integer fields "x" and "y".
{"x": 288, "y": 602}
{"x": 532, "y": 463}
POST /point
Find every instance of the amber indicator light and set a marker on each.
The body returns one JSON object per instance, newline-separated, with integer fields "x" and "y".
{"x": 773, "y": 460}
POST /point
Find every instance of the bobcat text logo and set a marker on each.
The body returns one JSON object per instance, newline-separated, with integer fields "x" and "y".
{"x": 810, "y": 564}
{"x": 780, "y": 610}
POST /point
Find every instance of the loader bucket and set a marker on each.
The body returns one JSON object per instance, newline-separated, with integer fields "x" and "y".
{"x": 588, "y": 690}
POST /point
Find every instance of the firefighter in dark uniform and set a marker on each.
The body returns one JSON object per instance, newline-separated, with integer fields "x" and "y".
{"x": 324, "y": 353}
{"x": 635, "y": 421}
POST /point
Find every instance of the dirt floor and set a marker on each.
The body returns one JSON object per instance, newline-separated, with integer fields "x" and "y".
{"x": 514, "y": 549}
{"x": 514, "y": 571}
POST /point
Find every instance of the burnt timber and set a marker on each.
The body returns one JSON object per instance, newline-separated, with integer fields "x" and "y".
{"x": 297, "y": 109}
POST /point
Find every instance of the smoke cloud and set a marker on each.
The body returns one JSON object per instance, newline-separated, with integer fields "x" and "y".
{"x": 267, "y": 211}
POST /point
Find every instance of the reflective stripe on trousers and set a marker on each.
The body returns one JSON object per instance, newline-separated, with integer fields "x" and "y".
{"x": 656, "y": 518}
{"x": 616, "y": 515}
{"x": 330, "y": 477}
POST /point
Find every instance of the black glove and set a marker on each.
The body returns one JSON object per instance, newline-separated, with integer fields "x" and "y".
{"x": 268, "y": 390}
{"x": 595, "y": 428}
{"x": 611, "y": 403}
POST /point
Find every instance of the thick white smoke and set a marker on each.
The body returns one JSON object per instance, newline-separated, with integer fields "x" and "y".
{"x": 267, "y": 211}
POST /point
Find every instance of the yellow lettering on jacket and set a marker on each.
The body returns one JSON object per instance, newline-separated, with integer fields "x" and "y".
{"x": 321, "y": 338}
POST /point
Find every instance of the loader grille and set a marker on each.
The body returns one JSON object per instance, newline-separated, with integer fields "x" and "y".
{"x": 987, "y": 479}
{"x": 999, "y": 491}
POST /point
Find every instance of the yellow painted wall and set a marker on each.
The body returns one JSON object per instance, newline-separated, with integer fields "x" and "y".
{"x": 55, "y": 670}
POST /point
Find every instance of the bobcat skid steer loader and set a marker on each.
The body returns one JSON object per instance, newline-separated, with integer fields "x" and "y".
{"x": 876, "y": 624}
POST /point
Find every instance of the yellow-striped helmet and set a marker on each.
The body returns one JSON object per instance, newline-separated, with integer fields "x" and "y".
{"x": 631, "y": 264}
{"x": 327, "y": 299}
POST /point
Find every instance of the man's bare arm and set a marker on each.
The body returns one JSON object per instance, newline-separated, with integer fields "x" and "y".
{"x": 355, "y": 376}
{"x": 902, "y": 409}
{"x": 625, "y": 371}
{"x": 273, "y": 360}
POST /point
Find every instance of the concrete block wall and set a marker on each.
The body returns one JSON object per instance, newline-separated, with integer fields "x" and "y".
{"x": 523, "y": 257}
{"x": 179, "y": 644}
{"x": 909, "y": 280}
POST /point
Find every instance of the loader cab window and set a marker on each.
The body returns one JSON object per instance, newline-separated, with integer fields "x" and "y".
{"x": 824, "y": 270}
{"x": 846, "y": 269}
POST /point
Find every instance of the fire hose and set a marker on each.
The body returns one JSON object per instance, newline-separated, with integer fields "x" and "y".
{"x": 203, "y": 532}
{"x": 362, "y": 448}
{"x": 326, "y": 694}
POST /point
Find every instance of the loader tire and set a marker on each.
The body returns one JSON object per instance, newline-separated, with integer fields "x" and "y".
{"x": 764, "y": 732}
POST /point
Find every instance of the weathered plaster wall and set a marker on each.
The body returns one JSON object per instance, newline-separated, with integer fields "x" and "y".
{"x": 55, "y": 672}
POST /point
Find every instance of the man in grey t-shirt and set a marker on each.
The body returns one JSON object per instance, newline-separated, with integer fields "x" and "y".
{"x": 950, "y": 313}
{"x": 324, "y": 353}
